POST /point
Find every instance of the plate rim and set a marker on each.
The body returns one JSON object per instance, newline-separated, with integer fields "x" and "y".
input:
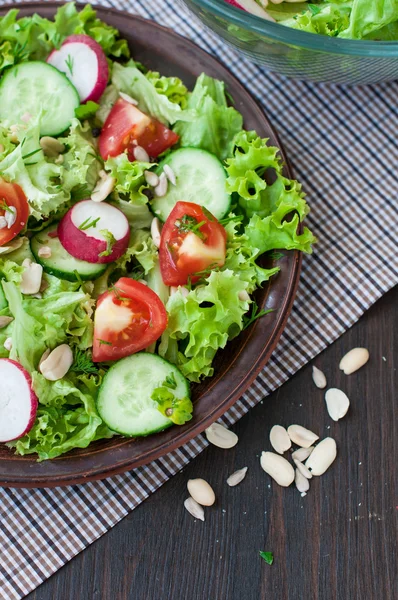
{"x": 99, "y": 473}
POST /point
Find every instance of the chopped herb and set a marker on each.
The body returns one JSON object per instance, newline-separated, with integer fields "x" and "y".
{"x": 83, "y": 364}
{"x": 268, "y": 557}
{"x": 85, "y": 111}
{"x": 208, "y": 214}
{"x": 170, "y": 381}
{"x": 276, "y": 255}
{"x": 69, "y": 63}
{"x": 80, "y": 192}
{"x": 110, "y": 242}
{"x": 31, "y": 153}
{"x": 4, "y": 206}
{"x": 104, "y": 342}
{"x": 78, "y": 278}
{"x": 118, "y": 293}
{"x": 255, "y": 314}
{"x": 89, "y": 222}
{"x": 187, "y": 223}
{"x": 236, "y": 218}
{"x": 30, "y": 164}
{"x": 315, "y": 10}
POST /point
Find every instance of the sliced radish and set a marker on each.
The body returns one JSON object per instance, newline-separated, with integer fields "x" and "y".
{"x": 86, "y": 228}
{"x": 18, "y": 402}
{"x": 84, "y": 63}
{"x": 252, "y": 7}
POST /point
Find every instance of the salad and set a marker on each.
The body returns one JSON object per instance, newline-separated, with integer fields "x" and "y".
{"x": 132, "y": 215}
{"x": 350, "y": 19}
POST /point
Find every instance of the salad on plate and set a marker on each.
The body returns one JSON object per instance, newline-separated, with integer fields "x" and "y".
{"x": 132, "y": 215}
{"x": 349, "y": 19}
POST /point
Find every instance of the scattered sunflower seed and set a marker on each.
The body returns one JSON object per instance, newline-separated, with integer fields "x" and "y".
{"x": 220, "y": 436}
{"x": 194, "y": 509}
{"x": 105, "y": 186}
{"x": 318, "y": 377}
{"x": 10, "y": 216}
{"x": 354, "y": 360}
{"x": 278, "y": 468}
{"x": 301, "y": 436}
{"x": 151, "y": 178}
{"x": 44, "y": 252}
{"x": 237, "y": 477}
{"x": 8, "y": 344}
{"x": 128, "y": 98}
{"x": 337, "y": 403}
{"x": 301, "y": 482}
{"x": 243, "y": 296}
{"x": 51, "y": 146}
{"x": 31, "y": 277}
{"x": 12, "y": 246}
{"x": 161, "y": 189}
{"x": 201, "y": 492}
{"x": 4, "y": 321}
{"x": 280, "y": 441}
{"x": 322, "y": 456}
{"x": 141, "y": 154}
{"x": 155, "y": 231}
{"x": 302, "y": 453}
{"x": 303, "y": 469}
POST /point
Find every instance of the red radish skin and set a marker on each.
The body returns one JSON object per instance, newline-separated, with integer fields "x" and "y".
{"x": 83, "y": 244}
{"x": 84, "y": 63}
{"x": 252, "y": 7}
{"x": 18, "y": 402}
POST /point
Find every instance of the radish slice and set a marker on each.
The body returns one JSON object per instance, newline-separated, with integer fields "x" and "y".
{"x": 18, "y": 402}
{"x": 84, "y": 63}
{"x": 87, "y": 226}
{"x": 252, "y": 7}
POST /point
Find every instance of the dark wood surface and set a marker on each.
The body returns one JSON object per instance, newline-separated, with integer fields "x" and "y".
{"x": 337, "y": 543}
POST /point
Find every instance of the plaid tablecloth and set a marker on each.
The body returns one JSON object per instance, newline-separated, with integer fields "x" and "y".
{"x": 342, "y": 143}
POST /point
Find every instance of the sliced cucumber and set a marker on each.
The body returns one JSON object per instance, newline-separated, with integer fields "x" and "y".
{"x": 37, "y": 88}
{"x": 124, "y": 400}
{"x": 201, "y": 178}
{"x": 61, "y": 264}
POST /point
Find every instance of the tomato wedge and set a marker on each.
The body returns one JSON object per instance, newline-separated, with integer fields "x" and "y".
{"x": 128, "y": 318}
{"x": 127, "y": 126}
{"x": 12, "y": 200}
{"x": 192, "y": 241}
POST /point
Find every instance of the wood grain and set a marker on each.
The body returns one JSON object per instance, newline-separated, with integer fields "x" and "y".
{"x": 337, "y": 543}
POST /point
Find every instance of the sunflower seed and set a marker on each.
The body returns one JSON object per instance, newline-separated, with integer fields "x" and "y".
{"x": 51, "y": 146}
{"x": 337, "y": 403}
{"x": 301, "y": 436}
{"x": 3, "y": 223}
{"x": 151, "y": 178}
{"x": 302, "y": 453}
{"x": 12, "y": 246}
{"x": 128, "y": 98}
{"x": 302, "y": 483}
{"x": 168, "y": 171}
{"x": 278, "y": 468}
{"x": 201, "y": 491}
{"x": 303, "y": 469}
{"x": 155, "y": 231}
{"x": 237, "y": 477}
{"x": 279, "y": 439}
{"x": 4, "y": 321}
{"x": 45, "y": 355}
{"x": 141, "y": 154}
{"x": 10, "y": 216}
{"x": 220, "y": 436}
{"x": 243, "y": 296}
{"x": 161, "y": 189}
{"x": 194, "y": 509}
{"x": 44, "y": 252}
{"x": 322, "y": 456}
{"x": 8, "y": 344}
{"x": 318, "y": 377}
{"x": 354, "y": 360}
{"x": 105, "y": 186}
{"x": 31, "y": 277}
{"x": 57, "y": 363}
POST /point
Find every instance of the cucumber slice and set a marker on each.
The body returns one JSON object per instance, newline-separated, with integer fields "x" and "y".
{"x": 124, "y": 400}
{"x": 61, "y": 264}
{"x": 37, "y": 88}
{"x": 201, "y": 178}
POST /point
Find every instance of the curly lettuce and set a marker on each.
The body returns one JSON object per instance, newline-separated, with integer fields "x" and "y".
{"x": 130, "y": 178}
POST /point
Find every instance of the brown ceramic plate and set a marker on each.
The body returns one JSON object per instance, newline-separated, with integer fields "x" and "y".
{"x": 237, "y": 365}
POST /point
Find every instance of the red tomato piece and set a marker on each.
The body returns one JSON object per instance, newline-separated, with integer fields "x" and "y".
{"x": 192, "y": 241}
{"x": 127, "y": 319}
{"x": 12, "y": 198}
{"x": 127, "y": 126}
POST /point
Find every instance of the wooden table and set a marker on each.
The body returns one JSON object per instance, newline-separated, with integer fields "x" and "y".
{"x": 337, "y": 543}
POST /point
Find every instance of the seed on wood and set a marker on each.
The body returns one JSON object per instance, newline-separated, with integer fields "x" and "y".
{"x": 337, "y": 403}
{"x": 237, "y": 477}
{"x": 301, "y": 436}
{"x": 220, "y": 436}
{"x": 201, "y": 491}
{"x": 322, "y": 456}
{"x": 278, "y": 468}
{"x": 194, "y": 509}
{"x": 318, "y": 377}
{"x": 354, "y": 360}
{"x": 280, "y": 441}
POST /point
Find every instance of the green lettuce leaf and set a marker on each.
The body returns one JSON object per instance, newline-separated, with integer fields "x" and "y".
{"x": 130, "y": 80}
{"x": 328, "y": 18}
{"x": 130, "y": 180}
{"x": 171, "y": 87}
{"x": 369, "y": 16}
{"x": 205, "y": 320}
{"x": 216, "y": 124}
{"x": 178, "y": 410}
{"x": 142, "y": 249}
{"x": 81, "y": 165}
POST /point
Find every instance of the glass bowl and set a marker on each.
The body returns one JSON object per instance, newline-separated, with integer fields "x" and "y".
{"x": 296, "y": 53}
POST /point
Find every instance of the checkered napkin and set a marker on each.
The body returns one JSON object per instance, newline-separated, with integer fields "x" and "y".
{"x": 342, "y": 146}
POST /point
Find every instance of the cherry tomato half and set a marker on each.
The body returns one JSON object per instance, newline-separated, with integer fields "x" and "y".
{"x": 128, "y": 318}
{"x": 12, "y": 199}
{"x": 192, "y": 241}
